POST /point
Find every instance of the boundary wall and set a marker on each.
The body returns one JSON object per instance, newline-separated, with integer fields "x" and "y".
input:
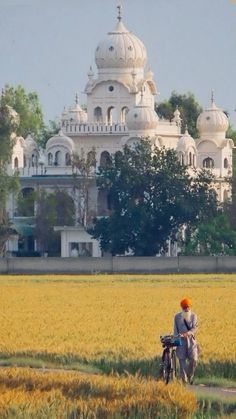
{"x": 127, "y": 264}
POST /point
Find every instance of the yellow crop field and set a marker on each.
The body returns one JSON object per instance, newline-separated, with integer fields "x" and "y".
{"x": 114, "y": 323}
{"x": 116, "y": 318}
{"x": 29, "y": 394}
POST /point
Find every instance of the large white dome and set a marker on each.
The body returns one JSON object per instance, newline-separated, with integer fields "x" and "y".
{"x": 212, "y": 121}
{"x": 120, "y": 49}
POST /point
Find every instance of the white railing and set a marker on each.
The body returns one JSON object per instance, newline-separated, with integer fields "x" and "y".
{"x": 91, "y": 129}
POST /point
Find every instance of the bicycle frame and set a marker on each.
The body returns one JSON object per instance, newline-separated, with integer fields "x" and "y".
{"x": 168, "y": 365}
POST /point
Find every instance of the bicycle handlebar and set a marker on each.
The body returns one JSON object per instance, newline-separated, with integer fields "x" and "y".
{"x": 171, "y": 340}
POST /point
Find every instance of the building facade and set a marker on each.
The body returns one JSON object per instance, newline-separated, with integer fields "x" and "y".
{"x": 119, "y": 110}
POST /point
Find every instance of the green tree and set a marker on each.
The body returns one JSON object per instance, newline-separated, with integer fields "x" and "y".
{"x": 188, "y": 107}
{"x": 47, "y": 132}
{"x": 214, "y": 237}
{"x": 8, "y": 123}
{"x": 151, "y": 197}
{"x": 28, "y": 108}
{"x": 54, "y": 209}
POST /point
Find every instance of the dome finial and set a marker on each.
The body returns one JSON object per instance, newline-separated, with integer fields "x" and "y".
{"x": 119, "y": 17}
{"x": 212, "y": 97}
{"x": 76, "y": 98}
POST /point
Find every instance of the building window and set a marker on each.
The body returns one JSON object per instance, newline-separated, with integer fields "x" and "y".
{"x": 105, "y": 159}
{"x": 68, "y": 159}
{"x": 50, "y": 159}
{"x": 16, "y": 163}
{"x": 124, "y": 112}
{"x": 181, "y": 158}
{"x": 190, "y": 162}
{"x": 97, "y": 114}
{"x": 208, "y": 163}
{"x": 111, "y": 88}
{"x": 57, "y": 158}
{"x": 226, "y": 163}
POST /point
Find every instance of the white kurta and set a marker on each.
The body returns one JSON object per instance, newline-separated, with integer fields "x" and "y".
{"x": 188, "y": 349}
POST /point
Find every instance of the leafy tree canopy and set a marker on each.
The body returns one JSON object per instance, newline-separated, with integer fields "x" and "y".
{"x": 151, "y": 196}
{"x": 214, "y": 237}
{"x": 8, "y": 124}
{"x": 188, "y": 107}
{"x": 28, "y": 108}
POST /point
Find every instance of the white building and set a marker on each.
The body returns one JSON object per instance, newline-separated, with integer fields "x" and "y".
{"x": 120, "y": 110}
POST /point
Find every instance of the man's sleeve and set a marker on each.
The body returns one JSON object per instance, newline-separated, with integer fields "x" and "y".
{"x": 175, "y": 328}
{"x": 193, "y": 330}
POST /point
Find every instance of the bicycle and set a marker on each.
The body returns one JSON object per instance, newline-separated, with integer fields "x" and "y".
{"x": 168, "y": 366}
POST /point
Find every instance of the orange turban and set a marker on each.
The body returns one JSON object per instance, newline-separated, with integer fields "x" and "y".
{"x": 186, "y": 302}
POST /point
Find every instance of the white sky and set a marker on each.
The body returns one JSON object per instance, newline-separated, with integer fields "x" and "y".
{"x": 48, "y": 46}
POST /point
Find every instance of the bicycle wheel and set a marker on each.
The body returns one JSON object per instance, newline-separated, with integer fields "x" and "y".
{"x": 165, "y": 366}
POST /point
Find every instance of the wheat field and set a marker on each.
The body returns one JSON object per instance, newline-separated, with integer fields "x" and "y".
{"x": 114, "y": 323}
{"x": 113, "y": 317}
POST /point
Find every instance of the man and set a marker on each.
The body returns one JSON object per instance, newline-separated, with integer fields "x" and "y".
{"x": 185, "y": 325}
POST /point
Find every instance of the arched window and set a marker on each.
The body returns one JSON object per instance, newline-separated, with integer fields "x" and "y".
{"x": 91, "y": 158}
{"x": 50, "y": 159}
{"x": 68, "y": 159}
{"x": 124, "y": 112}
{"x": 98, "y": 115}
{"x": 226, "y": 163}
{"x": 105, "y": 159}
{"x": 16, "y": 163}
{"x": 118, "y": 157}
{"x": 208, "y": 163}
{"x": 190, "y": 162}
{"x": 110, "y": 115}
{"x": 57, "y": 158}
{"x": 181, "y": 158}
{"x": 24, "y": 161}
{"x": 34, "y": 160}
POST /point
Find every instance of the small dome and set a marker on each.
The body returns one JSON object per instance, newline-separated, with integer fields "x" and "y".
{"x": 120, "y": 49}
{"x": 141, "y": 117}
{"x": 212, "y": 120}
{"x": 77, "y": 115}
{"x": 60, "y": 139}
{"x": 185, "y": 142}
{"x": 30, "y": 144}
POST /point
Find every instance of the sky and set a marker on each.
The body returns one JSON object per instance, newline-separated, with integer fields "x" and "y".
{"x": 47, "y": 46}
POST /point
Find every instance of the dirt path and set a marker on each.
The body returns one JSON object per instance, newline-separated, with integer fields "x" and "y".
{"x": 223, "y": 392}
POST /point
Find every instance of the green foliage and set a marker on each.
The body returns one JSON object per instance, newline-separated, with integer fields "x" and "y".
{"x": 25, "y": 204}
{"x": 214, "y": 237}
{"x": 8, "y": 123}
{"x": 231, "y": 133}
{"x": 188, "y": 107}
{"x": 151, "y": 197}
{"x": 47, "y": 132}
{"x": 28, "y": 108}
{"x": 54, "y": 209}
